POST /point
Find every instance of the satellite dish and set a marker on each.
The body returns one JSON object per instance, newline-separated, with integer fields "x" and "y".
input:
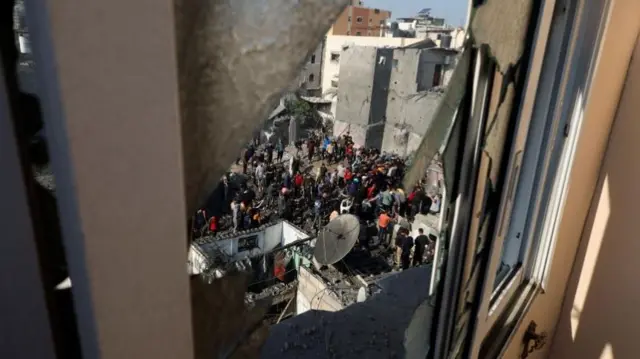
{"x": 336, "y": 239}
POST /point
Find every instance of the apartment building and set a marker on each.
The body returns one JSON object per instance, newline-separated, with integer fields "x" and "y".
{"x": 335, "y": 44}
{"x": 357, "y": 20}
{"x": 310, "y": 78}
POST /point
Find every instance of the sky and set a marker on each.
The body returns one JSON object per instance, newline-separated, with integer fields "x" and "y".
{"x": 454, "y": 11}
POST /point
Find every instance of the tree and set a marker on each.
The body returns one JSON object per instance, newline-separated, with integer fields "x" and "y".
{"x": 302, "y": 111}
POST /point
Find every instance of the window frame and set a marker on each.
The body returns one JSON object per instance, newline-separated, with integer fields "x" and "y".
{"x": 359, "y": 19}
{"x": 539, "y": 167}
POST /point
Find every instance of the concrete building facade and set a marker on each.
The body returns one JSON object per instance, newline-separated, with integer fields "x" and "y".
{"x": 310, "y": 78}
{"x": 387, "y": 97}
{"x": 333, "y": 46}
{"x": 357, "y": 20}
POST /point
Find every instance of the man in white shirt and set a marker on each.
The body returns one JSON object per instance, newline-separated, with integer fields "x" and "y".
{"x": 260, "y": 174}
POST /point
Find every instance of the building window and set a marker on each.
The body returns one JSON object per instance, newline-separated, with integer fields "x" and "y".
{"x": 359, "y": 19}
{"x": 376, "y": 11}
{"x": 349, "y": 19}
{"x": 348, "y": 32}
{"x": 439, "y": 36}
{"x": 368, "y": 33}
{"x": 313, "y": 59}
{"x": 382, "y": 22}
{"x": 311, "y": 78}
{"x": 247, "y": 243}
{"x": 370, "y": 20}
{"x": 335, "y": 57}
{"x": 395, "y": 63}
{"x": 437, "y": 75}
{"x": 334, "y": 83}
{"x": 358, "y": 33}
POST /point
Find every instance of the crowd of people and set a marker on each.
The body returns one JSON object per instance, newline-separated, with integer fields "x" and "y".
{"x": 322, "y": 178}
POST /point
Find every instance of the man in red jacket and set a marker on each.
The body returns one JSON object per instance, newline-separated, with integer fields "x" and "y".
{"x": 298, "y": 181}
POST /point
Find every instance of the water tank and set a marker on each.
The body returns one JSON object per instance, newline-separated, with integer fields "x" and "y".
{"x": 445, "y": 41}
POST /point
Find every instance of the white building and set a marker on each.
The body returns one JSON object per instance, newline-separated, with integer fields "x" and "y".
{"x": 234, "y": 248}
{"x": 424, "y": 26}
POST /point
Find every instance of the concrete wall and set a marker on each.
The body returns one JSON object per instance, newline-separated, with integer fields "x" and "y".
{"x": 357, "y": 132}
{"x": 291, "y": 233}
{"x": 313, "y": 66}
{"x": 412, "y": 114}
{"x": 358, "y": 65}
{"x": 313, "y": 294}
{"x": 336, "y": 43}
{"x": 269, "y": 238}
{"x": 378, "y": 98}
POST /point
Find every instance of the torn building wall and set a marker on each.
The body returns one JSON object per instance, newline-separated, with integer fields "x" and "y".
{"x": 408, "y": 118}
{"x": 357, "y": 67}
{"x": 385, "y": 97}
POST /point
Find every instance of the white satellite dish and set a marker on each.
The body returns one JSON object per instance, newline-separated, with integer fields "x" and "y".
{"x": 336, "y": 239}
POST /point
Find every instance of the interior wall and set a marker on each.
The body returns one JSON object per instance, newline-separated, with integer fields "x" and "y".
{"x": 600, "y": 311}
{"x": 618, "y": 42}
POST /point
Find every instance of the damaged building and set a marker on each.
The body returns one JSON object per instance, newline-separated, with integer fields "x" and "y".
{"x": 388, "y": 96}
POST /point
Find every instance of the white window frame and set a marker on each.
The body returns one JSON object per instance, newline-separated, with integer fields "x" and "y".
{"x": 545, "y": 158}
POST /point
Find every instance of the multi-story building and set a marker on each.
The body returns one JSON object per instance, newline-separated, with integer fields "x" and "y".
{"x": 386, "y": 97}
{"x": 357, "y": 20}
{"x": 310, "y": 78}
{"x": 334, "y": 45}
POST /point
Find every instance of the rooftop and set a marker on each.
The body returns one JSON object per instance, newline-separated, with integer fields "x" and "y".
{"x": 376, "y": 328}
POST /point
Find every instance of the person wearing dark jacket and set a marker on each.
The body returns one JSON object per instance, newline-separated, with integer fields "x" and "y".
{"x": 279, "y": 150}
{"x": 421, "y": 243}
{"x": 406, "y": 245}
{"x": 269, "y": 152}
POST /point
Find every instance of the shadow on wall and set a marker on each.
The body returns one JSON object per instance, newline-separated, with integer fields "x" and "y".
{"x": 601, "y": 311}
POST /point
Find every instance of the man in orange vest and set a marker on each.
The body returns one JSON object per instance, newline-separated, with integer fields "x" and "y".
{"x": 384, "y": 222}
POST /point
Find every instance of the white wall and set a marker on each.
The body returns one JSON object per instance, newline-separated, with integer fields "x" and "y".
{"x": 282, "y": 233}
{"x": 335, "y": 43}
{"x": 313, "y": 294}
{"x": 272, "y": 236}
{"x": 291, "y": 234}
{"x": 457, "y": 38}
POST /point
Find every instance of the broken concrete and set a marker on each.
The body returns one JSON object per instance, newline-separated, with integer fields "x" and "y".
{"x": 375, "y": 328}
{"x": 503, "y": 26}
